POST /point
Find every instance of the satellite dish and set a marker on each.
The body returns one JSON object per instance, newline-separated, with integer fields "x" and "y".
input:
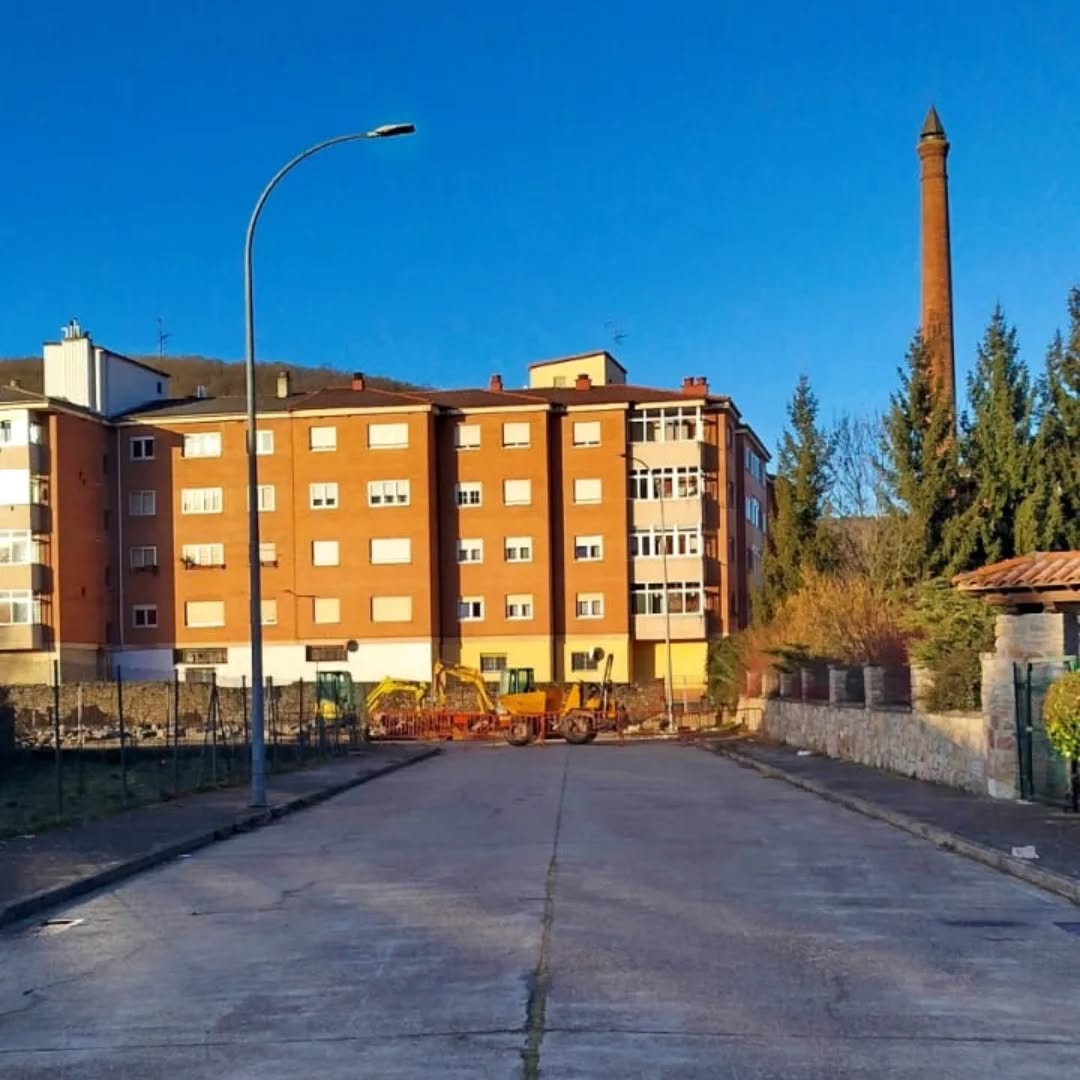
{"x": 352, "y": 646}
{"x": 598, "y": 654}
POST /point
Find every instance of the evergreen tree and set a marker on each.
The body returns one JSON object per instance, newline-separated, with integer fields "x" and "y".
{"x": 1049, "y": 518}
{"x": 995, "y": 449}
{"x": 919, "y": 473}
{"x": 802, "y": 479}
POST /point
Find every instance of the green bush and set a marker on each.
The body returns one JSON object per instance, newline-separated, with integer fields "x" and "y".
{"x": 1061, "y": 715}
{"x": 725, "y": 671}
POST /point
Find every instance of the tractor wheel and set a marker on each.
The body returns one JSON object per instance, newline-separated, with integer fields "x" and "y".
{"x": 578, "y": 728}
{"x": 520, "y": 732}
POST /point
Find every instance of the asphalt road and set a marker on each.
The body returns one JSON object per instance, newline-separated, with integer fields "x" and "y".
{"x": 600, "y": 911}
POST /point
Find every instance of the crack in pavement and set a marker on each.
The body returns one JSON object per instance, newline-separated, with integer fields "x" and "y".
{"x": 540, "y": 980}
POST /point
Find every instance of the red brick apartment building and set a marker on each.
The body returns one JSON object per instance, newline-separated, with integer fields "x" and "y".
{"x": 495, "y": 527}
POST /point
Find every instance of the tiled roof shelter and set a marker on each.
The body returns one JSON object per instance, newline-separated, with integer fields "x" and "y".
{"x": 1045, "y": 578}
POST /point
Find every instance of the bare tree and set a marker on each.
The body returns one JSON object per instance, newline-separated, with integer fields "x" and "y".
{"x": 854, "y": 465}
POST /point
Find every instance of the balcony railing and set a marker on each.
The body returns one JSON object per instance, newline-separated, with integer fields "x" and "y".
{"x": 28, "y": 636}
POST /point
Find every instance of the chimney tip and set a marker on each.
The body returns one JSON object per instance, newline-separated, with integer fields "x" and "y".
{"x": 358, "y": 380}
{"x": 583, "y": 382}
{"x": 284, "y": 384}
{"x": 496, "y": 383}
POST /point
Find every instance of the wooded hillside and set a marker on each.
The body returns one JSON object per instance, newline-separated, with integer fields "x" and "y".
{"x": 221, "y": 378}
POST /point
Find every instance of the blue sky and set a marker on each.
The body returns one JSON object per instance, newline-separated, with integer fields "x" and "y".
{"x": 733, "y": 185}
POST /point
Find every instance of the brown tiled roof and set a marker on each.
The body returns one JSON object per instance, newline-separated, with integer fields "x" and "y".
{"x": 346, "y": 398}
{"x": 479, "y": 399}
{"x": 1039, "y": 570}
{"x": 612, "y": 394}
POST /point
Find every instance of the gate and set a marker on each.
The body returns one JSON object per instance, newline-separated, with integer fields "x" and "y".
{"x": 1044, "y": 775}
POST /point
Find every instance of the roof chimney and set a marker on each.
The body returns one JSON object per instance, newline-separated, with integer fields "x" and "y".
{"x": 358, "y": 380}
{"x": 284, "y": 384}
{"x": 695, "y": 386}
{"x": 583, "y": 382}
{"x": 495, "y": 385}
{"x": 200, "y": 392}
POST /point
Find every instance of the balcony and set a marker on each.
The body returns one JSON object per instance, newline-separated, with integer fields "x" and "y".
{"x": 683, "y": 627}
{"x": 679, "y": 568}
{"x": 27, "y": 636}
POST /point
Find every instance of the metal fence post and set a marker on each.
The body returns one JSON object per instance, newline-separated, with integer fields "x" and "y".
{"x": 81, "y": 769}
{"x": 58, "y": 754}
{"x": 176, "y": 731}
{"x": 244, "y": 703}
{"x": 123, "y": 735}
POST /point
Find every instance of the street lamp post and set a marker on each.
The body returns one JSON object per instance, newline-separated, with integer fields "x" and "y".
{"x": 258, "y": 744}
{"x": 669, "y": 694}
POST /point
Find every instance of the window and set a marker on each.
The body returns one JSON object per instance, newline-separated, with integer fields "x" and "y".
{"x": 142, "y": 503}
{"x": 518, "y": 549}
{"x": 387, "y": 436}
{"x": 468, "y": 494}
{"x": 7, "y": 434}
{"x": 203, "y": 444}
{"x": 388, "y": 493}
{"x": 467, "y": 436}
{"x": 325, "y": 553}
{"x": 584, "y": 661}
{"x": 753, "y": 511}
{"x": 673, "y": 423}
{"x": 323, "y": 496}
{"x": 673, "y": 541}
{"x": 492, "y": 663}
{"x": 519, "y": 606}
{"x": 391, "y": 550}
{"x": 19, "y": 607}
{"x": 267, "y": 498}
{"x": 203, "y": 555}
{"x": 470, "y": 608}
{"x": 326, "y": 609}
{"x": 391, "y": 609}
{"x": 322, "y": 438}
{"x": 470, "y": 551}
{"x": 143, "y": 557}
{"x": 515, "y": 434}
{"x": 755, "y": 466}
{"x": 201, "y": 656}
{"x": 683, "y": 598}
{"x": 264, "y": 443}
{"x": 326, "y": 654}
{"x": 39, "y": 490}
{"x": 586, "y": 432}
{"x": 200, "y": 501}
{"x": 141, "y": 448}
{"x": 269, "y": 613}
{"x": 588, "y": 548}
{"x": 589, "y": 605}
{"x": 517, "y": 492}
{"x": 267, "y": 554}
{"x": 678, "y": 482}
{"x": 588, "y": 491}
{"x": 204, "y": 613}
{"x": 558, "y": 380}
{"x": 16, "y": 547}
{"x": 143, "y": 616}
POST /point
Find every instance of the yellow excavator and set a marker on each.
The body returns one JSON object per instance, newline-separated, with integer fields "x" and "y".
{"x": 412, "y": 692}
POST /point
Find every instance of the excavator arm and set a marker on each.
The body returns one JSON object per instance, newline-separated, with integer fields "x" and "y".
{"x": 390, "y": 686}
{"x": 469, "y": 676}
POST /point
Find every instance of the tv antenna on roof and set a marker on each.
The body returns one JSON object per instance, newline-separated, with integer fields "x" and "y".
{"x": 162, "y": 337}
{"x": 617, "y": 335}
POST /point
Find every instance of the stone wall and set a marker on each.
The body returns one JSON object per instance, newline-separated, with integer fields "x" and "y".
{"x": 947, "y": 748}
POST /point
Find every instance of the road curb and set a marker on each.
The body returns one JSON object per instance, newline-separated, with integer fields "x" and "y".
{"x": 1058, "y": 884}
{"x": 255, "y": 819}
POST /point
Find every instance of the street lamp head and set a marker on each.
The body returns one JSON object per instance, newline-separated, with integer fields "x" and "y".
{"x": 388, "y": 131}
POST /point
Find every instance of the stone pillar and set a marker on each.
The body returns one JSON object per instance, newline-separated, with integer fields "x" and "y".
{"x": 873, "y": 686}
{"x": 837, "y": 685}
{"x": 999, "y": 715}
{"x": 789, "y": 684}
{"x": 922, "y": 682}
{"x": 1036, "y": 635}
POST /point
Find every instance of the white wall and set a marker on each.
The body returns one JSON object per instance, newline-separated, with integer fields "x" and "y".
{"x": 69, "y": 371}
{"x": 286, "y": 663}
{"x": 126, "y": 385}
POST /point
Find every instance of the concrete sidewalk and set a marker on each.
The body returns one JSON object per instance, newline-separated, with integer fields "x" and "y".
{"x": 37, "y": 872}
{"x": 980, "y": 828}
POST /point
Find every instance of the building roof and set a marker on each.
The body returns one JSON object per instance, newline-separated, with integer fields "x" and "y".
{"x": 479, "y": 399}
{"x": 344, "y": 397}
{"x": 578, "y": 356}
{"x": 1040, "y": 569}
{"x": 611, "y": 394}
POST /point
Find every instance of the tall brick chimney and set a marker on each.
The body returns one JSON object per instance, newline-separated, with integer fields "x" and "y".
{"x": 358, "y": 380}
{"x": 495, "y": 385}
{"x": 937, "y": 313}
